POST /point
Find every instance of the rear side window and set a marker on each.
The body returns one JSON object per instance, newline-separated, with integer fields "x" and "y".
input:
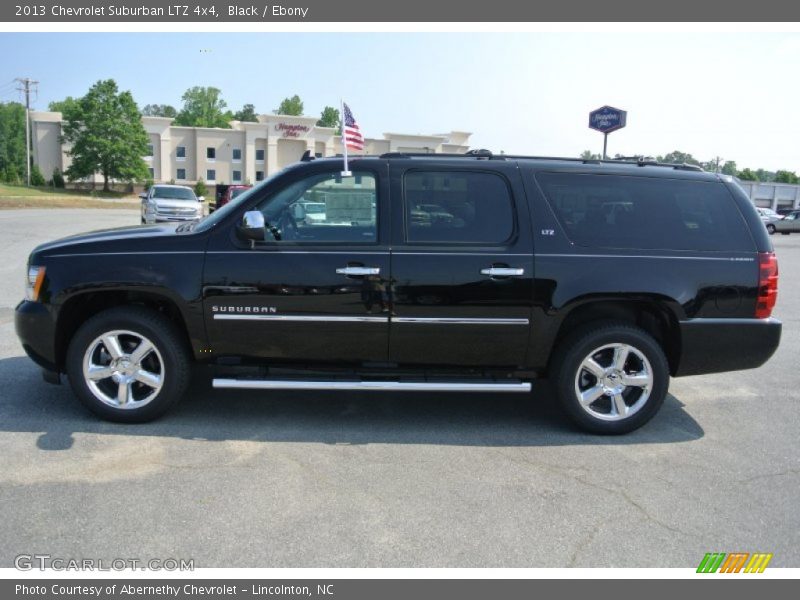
{"x": 458, "y": 207}
{"x": 611, "y": 211}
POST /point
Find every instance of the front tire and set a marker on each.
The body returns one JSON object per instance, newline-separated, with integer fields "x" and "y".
{"x": 771, "y": 229}
{"x": 128, "y": 364}
{"x": 611, "y": 378}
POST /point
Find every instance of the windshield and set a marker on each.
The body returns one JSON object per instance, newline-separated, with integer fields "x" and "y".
{"x": 232, "y": 206}
{"x": 173, "y": 193}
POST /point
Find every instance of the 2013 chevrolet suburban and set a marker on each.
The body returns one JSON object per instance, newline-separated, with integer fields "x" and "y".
{"x": 420, "y": 273}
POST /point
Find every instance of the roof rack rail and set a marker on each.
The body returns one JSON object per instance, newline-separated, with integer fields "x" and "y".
{"x": 469, "y": 154}
{"x": 478, "y": 154}
{"x": 644, "y": 161}
{"x": 636, "y": 160}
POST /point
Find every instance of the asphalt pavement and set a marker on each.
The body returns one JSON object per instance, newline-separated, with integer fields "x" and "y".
{"x": 296, "y": 479}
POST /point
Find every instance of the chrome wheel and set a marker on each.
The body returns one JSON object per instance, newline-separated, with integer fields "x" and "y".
{"x": 123, "y": 369}
{"x": 614, "y": 382}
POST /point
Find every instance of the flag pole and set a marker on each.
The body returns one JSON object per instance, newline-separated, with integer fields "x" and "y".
{"x": 346, "y": 172}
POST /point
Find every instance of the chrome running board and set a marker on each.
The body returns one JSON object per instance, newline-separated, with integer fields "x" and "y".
{"x": 375, "y": 386}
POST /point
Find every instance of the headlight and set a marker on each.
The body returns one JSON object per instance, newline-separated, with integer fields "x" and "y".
{"x": 33, "y": 284}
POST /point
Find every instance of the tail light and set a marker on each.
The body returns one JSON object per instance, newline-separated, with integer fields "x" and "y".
{"x": 767, "y": 284}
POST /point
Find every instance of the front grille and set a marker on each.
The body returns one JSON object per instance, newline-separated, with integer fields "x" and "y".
{"x": 176, "y": 213}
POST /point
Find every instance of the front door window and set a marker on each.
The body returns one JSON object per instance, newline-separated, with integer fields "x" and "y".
{"x": 324, "y": 208}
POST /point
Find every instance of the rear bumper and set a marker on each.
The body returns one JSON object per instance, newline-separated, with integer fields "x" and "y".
{"x": 36, "y": 330}
{"x": 716, "y": 345}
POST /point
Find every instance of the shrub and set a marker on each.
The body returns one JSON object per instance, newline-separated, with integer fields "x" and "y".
{"x": 200, "y": 188}
{"x": 58, "y": 179}
{"x": 36, "y": 176}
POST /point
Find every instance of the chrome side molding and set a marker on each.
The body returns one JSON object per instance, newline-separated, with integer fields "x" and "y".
{"x": 378, "y": 386}
{"x": 459, "y": 321}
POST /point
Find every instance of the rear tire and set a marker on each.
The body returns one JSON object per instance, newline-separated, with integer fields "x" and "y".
{"x": 610, "y": 378}
{"x": 128, "y": 364}
{"x": 771, "y": 229}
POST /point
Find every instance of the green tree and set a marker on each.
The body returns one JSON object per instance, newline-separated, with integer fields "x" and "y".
{"x": 200, "y": 188}
{"x": 764, "y": 175}
{"x": 329, "y": 117}
{"x": 63, "y": 106}
{"x": 589, "y": 155}
{"x": 104, "y": 129}
{"x": 729, "y": 168}
{"x": 203, "y": 107}
{"x": 12, "y": 142}
{"x": 747, "y": 175}
{"x": 248, "y": 113}
{"x": 676, "y": 156}
{"x": 159, "y": 110}
{"x": 290, "y": 106}
{"x": 785, "y": 177}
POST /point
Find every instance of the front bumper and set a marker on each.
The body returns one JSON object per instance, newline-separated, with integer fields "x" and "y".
{"x": 717, "y": 345}
{"x": 37, "y": 332}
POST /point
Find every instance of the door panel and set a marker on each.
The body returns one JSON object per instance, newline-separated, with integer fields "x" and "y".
{"x": 457, "y": 303}
{"x": 295, "y": 306}
{"x": 317, "y": 289}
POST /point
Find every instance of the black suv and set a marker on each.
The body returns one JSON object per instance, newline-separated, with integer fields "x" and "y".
{"x": 466, "y": 273}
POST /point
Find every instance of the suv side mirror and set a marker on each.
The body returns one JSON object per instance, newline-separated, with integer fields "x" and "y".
{"x": 143, "y": 195}
{"x": 253, "y": 226}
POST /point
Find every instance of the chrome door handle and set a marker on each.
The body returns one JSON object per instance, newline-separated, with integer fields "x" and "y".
{"x": 502, "y": 272}
{"x": 359, "y": 271}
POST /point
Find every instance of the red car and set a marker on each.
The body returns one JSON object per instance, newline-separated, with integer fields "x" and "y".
{"x": 228, "y": 192}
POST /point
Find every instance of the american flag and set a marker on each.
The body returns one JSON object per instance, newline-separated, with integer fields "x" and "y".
{"x": 351, "y": 133}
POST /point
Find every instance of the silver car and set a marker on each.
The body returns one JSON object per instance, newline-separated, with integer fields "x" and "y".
{"x": 170, "y": 203}
{"x": 769, "y": 217}
{"x": 788, "y": 224}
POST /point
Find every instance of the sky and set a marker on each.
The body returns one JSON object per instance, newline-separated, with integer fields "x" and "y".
{"x": 732, "y": 95}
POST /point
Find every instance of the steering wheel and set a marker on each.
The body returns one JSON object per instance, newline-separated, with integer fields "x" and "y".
{"x": 288, "y": 226}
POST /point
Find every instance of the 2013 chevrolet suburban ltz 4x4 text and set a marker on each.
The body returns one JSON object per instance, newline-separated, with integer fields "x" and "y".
{"x": 473, "y": 273}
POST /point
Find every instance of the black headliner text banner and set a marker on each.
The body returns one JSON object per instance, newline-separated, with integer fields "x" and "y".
{"x": 461, "y": 11}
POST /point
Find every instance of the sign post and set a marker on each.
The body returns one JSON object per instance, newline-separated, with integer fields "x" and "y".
{"x": 605, "y": 120}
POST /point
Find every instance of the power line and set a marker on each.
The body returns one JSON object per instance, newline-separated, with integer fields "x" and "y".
{"x": 26, "y": 85}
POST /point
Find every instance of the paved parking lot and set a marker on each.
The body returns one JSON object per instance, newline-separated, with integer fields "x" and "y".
{"x": 336, "y": 479}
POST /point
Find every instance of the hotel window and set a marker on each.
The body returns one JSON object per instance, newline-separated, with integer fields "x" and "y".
{"x": 260, "y": 155}
{"x": 149, "y": 151}
{"x": 211, "y": 153}
{"x": 211, "y": 175}
{"x": 259, "y": 175}
{"x": 236, "y": 176}
{"x": 181, "y": 174}
{"x": 237, "y": 155}
{"x": 180, "y": 153}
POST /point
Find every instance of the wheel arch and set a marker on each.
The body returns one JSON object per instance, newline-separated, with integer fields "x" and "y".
{"x": 656, "y": 315}
{"x": 78, "y": 308}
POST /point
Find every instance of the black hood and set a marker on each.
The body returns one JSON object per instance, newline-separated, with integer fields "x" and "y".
{"x": 136, "y": 239}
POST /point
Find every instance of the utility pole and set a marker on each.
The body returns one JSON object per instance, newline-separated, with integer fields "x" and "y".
{"x": 26, "y": 85}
